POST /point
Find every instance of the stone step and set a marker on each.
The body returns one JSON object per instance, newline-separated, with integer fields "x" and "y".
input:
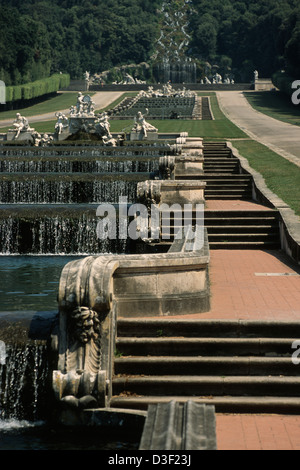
{"x": 227, "y": 186}
{"x": 220, "y": 163}
{"x": 222, "y": 404}
{"x": 222, "y": 190}
{"x": 206, "y": 328}
{"x": 226, "y": 171}
{"x": 245, "y": 229}
{"x": 228, "y": 197}
{"x": 223, "y": 228}
{"x": 242, "y": 214}
{"x": 230, "y": 217}
{"x": 219, "y": 233}
{"x": 190, "y": 385}
{"x": 220, "y": 176}
{"x": 254, "y": 245}
{"x": 242, "y": 237}
{"x": 260, "y": 220}
{"x": 199, "y": 366}
{"x": 269, "y": 347}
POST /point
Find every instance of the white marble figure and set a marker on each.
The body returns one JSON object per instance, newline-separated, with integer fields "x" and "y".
{"x": 45, "y": 140}
{"x": 87, "y": 80}
{"x": 79, "y": 104}
{"x": 103, "y": 125}
{"x": 20, "y": 124}
{"x": 62, "y": 123}
{"x": 141, "y": 125}
{"x": 84, "y": 106}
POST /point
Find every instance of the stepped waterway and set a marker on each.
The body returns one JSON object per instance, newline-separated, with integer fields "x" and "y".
{"x": 49, "y": 196}
{"x": 48, "y": 202}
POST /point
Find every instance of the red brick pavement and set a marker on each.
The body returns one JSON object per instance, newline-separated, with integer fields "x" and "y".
{"x": 253, "y": 284}
{"x": 258, "y": 432}
{"x": 244, "y": 286}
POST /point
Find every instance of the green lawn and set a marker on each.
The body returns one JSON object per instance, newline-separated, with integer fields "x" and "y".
{"x": 57, "y": 103}
{"x": 41, "y": 127}
{"x": 281, "y": 176}
{"x": 276, "y": 105}
{"x": 219, "y": 128}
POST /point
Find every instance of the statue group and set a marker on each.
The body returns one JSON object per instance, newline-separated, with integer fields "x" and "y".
{"x": 81, "y": 118}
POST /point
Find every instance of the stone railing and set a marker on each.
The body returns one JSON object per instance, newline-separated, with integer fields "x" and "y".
{"x": 96, "y": 290}
{"x": 289, "y": 222}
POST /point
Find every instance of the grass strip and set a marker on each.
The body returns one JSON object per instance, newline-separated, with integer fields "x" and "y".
{"x": 60, "y": 102}
{"x": 276, "y": 105}
{"x": 219, "y": 128}
{"x": 281, "y": 176}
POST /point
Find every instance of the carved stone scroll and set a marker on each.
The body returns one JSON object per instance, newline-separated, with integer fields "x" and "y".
{"x": 85, "y": 330}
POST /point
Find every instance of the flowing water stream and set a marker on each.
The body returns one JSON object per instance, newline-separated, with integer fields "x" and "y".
{"x": 48, "y": 203}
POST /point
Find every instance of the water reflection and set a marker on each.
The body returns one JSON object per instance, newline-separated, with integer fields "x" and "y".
{"x": 26, "y": 435}
{"x": 30, "y": 282}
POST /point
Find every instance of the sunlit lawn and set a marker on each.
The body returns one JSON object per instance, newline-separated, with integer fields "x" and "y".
{"x": 276, "y": 105}
{"x": 60, "y": 102}
{"x": 281, "y": 176}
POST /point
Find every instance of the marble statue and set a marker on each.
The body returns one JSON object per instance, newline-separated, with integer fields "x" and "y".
{"x": 141, "y": 125}
{"x": 21, "y": 125}
{"x": 62, "y": 123}
{"x": 45, "y": 140}
{"x": 79, "y": 104}
{"x": 87, "y": 80}
{"x": 102, "y": 125}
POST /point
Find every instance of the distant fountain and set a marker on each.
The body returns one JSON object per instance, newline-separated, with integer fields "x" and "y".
{"x": 172, "y": 62}
{"x": 176, "y": 71}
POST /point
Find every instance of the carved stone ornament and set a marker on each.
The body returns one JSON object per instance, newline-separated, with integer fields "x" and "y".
{"x": 149, "y": 192}
{"x": 166, "y": 167}
{"x": 84, "y": 325}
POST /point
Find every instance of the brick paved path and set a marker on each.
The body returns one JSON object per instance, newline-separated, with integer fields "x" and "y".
{"x": 258, "y": 432}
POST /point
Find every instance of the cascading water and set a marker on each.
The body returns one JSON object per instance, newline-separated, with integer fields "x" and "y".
{"x": 172, "y": 60}
{"x": 66, "y": 190}
{"x": 24, "y": 382}
{"x": 48, "y": 203}
{"x": 21, "y": 165}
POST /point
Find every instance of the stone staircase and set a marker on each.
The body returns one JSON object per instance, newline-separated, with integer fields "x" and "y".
{"x": 231, "y": 229}
{"x": 206, "y": 112}
{"x": 222, "y": 174}
{"x": 237, "y": 366}
{"x": 242, "y": 229}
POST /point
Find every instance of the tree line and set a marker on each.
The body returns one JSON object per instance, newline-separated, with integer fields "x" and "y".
{"x": 43, "y": 37}
{"x": 39, "y": 38}
{"x": 243, "y": 36}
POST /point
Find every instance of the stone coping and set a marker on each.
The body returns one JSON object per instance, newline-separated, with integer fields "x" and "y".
{"x": 153, "y": 284}
{"x": 290, "y": 241}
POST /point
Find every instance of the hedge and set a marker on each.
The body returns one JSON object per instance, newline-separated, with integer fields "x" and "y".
{"x": 37, "y": 88}
{"x": 283, "y": 82}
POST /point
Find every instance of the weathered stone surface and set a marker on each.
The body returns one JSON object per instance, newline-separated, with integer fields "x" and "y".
{"x": 175, "y": 426}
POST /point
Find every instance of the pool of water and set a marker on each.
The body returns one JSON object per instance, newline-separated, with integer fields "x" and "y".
{"x": 25, "y": 435}
{"x": 30, "y": 282}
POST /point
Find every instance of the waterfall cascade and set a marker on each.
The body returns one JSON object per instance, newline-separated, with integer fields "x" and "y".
{"x": 48, "y": 200}
{"x": 49, "y": 196}
{"x": 171, "y": 57}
